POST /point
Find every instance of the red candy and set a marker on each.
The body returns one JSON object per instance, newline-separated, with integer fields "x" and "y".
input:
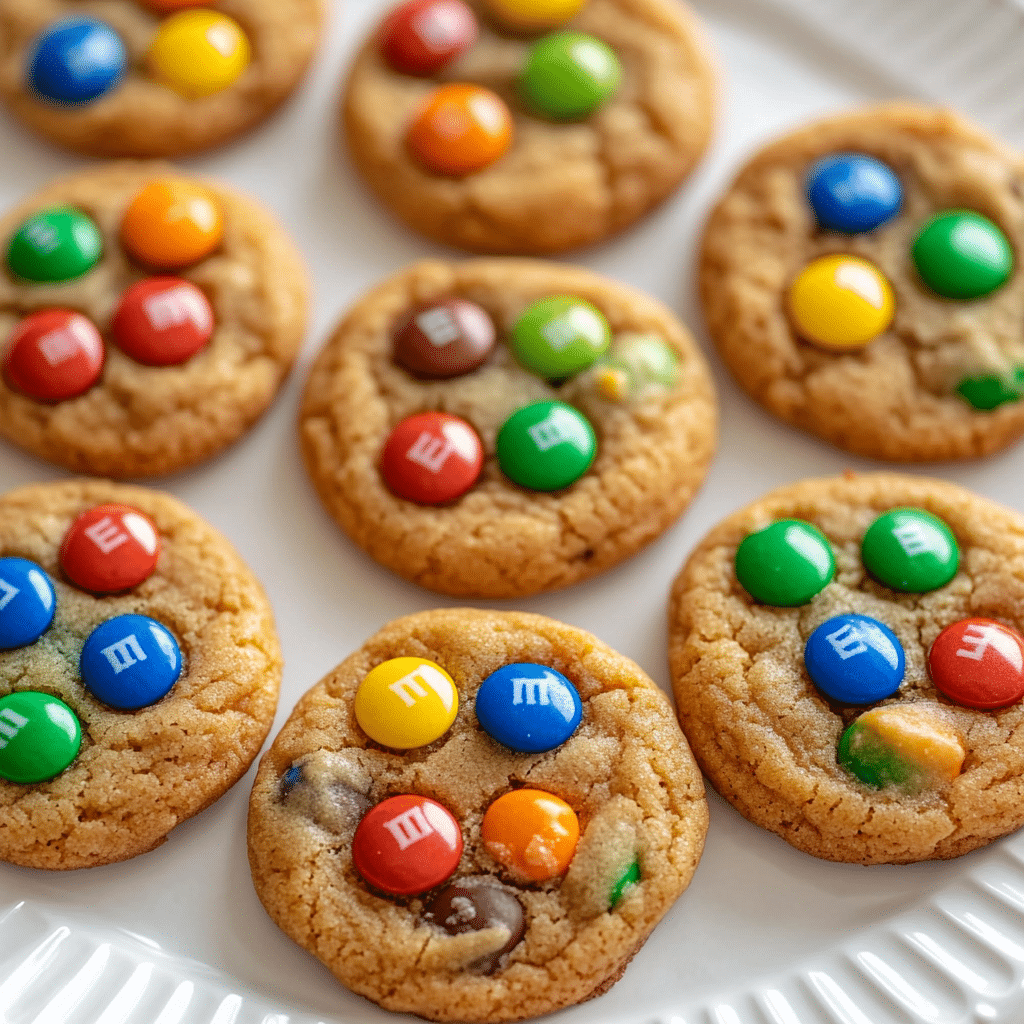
{"x": 54, "y": 355}
{"x": 407, "y": 845}
{"x": 422, "y": 36}
{"x": 432, "y": 458}
{"x": 978, "y": 663}
{"x": 110, "y": 548}
{"x": 162, "y": 321}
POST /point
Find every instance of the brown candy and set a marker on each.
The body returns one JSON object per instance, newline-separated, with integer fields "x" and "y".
{"x": 444, "y": 339}
{"x": 474, "y": 903}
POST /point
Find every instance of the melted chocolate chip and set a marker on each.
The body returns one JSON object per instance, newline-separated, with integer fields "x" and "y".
{"x": 472, "y": 904}
{"x": 444, "y": 339}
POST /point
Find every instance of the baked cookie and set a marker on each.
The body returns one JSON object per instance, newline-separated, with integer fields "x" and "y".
{"x": 849, "y": 670}
{"x": 148, "y": 78}
{"x": 139, "y": 671}
{"x": 147, "y": 319}
{"x": 858, "y": 280}
{"x": 529, "y": 127}
{"x": 477, "y": 816}
{"x": 501, "y": 427}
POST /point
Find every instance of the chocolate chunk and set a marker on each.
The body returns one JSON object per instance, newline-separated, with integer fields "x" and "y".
{"x": 445, "y": 339}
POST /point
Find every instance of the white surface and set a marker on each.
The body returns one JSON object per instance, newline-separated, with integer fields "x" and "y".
{"x": 943, "y": 942}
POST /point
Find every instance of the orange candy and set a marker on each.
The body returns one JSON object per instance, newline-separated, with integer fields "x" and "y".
{"x": 172, "y": 224}
{"x": 532, "y": 833}
{"x": 460, "y": 129}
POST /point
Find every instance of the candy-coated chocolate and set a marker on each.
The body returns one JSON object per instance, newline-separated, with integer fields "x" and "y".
{"x": 291, "y": 778}
{"x": 911, "y": 747}
{"x": 989, "y": 391}
{"x": 546, "y": 446}
{"x": 962, "y": 255}
{"x": 54, "y": 355}
{"x": 57, "y": 244}
{"x": 532, "y": 833}
{"x": 460, "y": 129}
{"x": 432, "y": 458}
{"x": 172, "y": 224}
{"x": 407, "y": 845}
{"x": 421, "y": 36}
{"x": 853, "y": 192}
{"x": 444, "y": 339}
{"x": 911, "y": 550}
{"x": 473, "y": 904}
{"x": 199, "y": 53}
{"x": 130, "y": 661}
{"x": 978, "y": 663}
{"x": 841, "y": 302}
{"x": 785, "y": 564}
{"x": 855, "y": 659}
{"x": 568, "y": 75}
{"x": 528, "y": 707}
{"x": 629, "y": 877}
{"x": 162, "y": 321}
{"x": 406, "y": 702}
{"x": 39, "y": 737}
{"x": 110, "y": 548}
{"x": 76, "y": 60}
{"x": 559, "y": 336}
{"x": 532, "y": 15}
{"x": 27, "y": 602}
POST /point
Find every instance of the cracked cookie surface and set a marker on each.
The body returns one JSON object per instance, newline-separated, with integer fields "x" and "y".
{"x": 767, "y": 738}
{"x": 140, "y": 420}
{"x": 500, "y": 539}
{"x": 141, "y": 117}
{"x": 560, "y": 185}
{"x": 895, "y": 398}
{"x": 626, "y": 772}
{"x": 138, "y": 773}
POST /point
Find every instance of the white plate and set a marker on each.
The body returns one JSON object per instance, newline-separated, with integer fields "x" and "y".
{"x": 765, "y": 935}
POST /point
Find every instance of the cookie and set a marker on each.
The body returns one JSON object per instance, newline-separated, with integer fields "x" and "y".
{"x": 849, "y": 668}
{"x": 500, "y": 427}
{"x": 857, "y": 278}
{"x": 147, "y": 319}
{"x": 529, "y": 128}
{"x": 477, "y": 816}
{"x": 153, "y": 77}
{"x": 139, "y": 671}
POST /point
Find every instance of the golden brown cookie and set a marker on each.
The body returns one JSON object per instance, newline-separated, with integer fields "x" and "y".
{"x": 521, "y": 935}
{"x": 562, "y": 183}
{"x": 945, "y": 379}
{"x": 647, "y": 398}
{"x": 789, "y": 703}
{"x": 120, "y": 395}
{"x": 139, "y": 771}
{"x": 146, "y": 78}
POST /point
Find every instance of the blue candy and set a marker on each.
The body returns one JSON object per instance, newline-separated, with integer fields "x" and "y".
{"x": 851, "y": 192}
{"x": 529, "y": 708}
{"x": 27, "y": 602}
{"x": 130, "y": 661}
{"x": 855, "y": 659}
{"x": 75, "y": 60}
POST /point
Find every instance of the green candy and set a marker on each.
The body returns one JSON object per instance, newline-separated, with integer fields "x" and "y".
{"x": 785, "y": 564}
{"x": 559, "y": 336}
{"x": 991, "y": 391}
{"x": 58, "y": 244}
{"x": 39, "y": 737}
{"x": 910, "y": 550}
{"x": 568, "y": 75}
{"x": 962, "y": 255}
{"x": 629, "y": 877}
{"x": 546, "y": 446}
{"x": 867, "y": 756}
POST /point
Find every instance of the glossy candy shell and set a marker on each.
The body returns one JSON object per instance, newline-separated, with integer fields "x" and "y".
{"x": 171, "y": 224}
{"x": 431, "y": 458}
{"x": 56, "y": 244}
{"x": 421, "y": 37}
{"x": 855, "y": 659}
{"x": 460, "y": 129}
{"x": 853, "y": 192}
{"x": 532, "y": 833}
{"x": 568, "y": 75}
{"x": 546, "y": 446}
{"x": 27, "y": 602}
{"x": 54, "y": 355}
{"x": 110, "y": 548}
{"x": 199, "y": 53}
{"x": 785, "y": 564}
{"x": 76, "y": 60}
{"x": 978, "y": 663}
{"x": 962, "y": 255}
{"x": 39, "y": 737}
{"x": 910, "y": 550}
{"x": 529, "y": 708}
{"x": 162, "y": 321}
{"x": 560, "y": 336}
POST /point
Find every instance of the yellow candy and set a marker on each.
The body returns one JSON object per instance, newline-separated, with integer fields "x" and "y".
{"x": 916, "y": 733}
{"x": 198, "y": 53}
{"x": 612, "y": 383}
{"x": 841, "y": 302}
{"x": 535, "y": 14}
{"x": 406, "y": 702}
